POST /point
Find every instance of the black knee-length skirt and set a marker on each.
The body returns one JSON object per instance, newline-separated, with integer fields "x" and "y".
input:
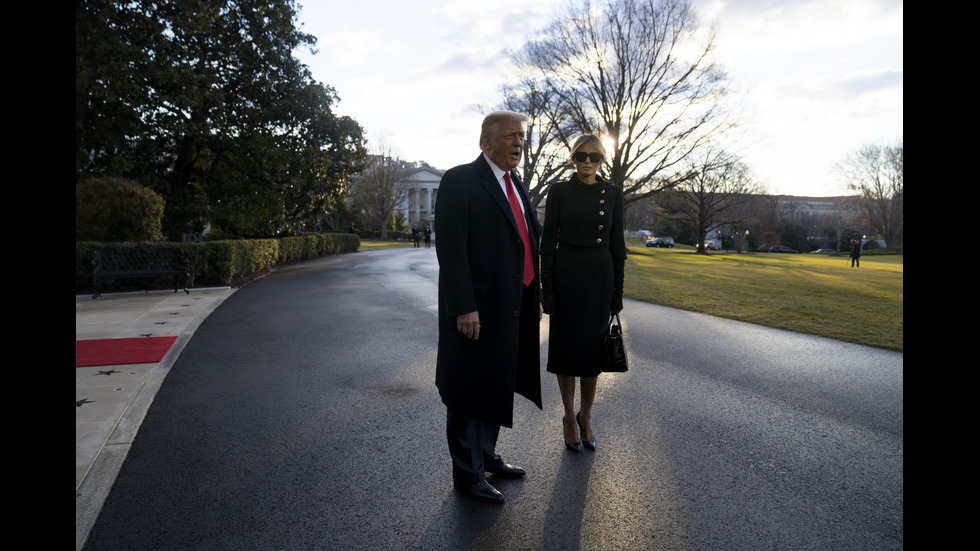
{"x": 582, "y": 282}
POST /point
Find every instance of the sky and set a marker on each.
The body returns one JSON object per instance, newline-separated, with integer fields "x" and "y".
{"x": 813, "y": 80}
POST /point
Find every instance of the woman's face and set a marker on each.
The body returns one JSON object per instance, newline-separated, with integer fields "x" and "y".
{"x": 585, "y": 165}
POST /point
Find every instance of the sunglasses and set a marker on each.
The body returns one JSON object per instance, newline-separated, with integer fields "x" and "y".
{"x": 580, "y": 157}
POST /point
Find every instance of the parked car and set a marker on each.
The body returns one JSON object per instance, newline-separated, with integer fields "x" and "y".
{"x": 781, "y": 249}
{"x": 662, "y": 242}
{"x": 827, "y": 251}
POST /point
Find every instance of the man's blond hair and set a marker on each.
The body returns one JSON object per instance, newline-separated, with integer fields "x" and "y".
{"x": 491, "y": 120}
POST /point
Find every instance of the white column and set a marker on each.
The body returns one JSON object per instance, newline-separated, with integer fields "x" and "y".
{"x": 414, "y": 193}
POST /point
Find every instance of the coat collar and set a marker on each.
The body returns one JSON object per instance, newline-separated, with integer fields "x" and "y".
{"x": 489, "y": 181}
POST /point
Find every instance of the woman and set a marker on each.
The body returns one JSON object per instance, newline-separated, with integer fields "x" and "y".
{"x": 582, "y": 257}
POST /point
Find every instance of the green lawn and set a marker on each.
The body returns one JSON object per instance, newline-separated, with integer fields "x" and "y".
{"x": 808, "y": 293}
{"x": 372, "y": 244}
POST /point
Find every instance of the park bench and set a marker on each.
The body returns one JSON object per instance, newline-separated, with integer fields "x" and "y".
{"x": 139, "y": 262}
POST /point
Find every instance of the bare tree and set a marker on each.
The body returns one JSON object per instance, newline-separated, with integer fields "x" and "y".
{"x": 877, "y": 173}
{"x": 639, "y": 73}
{"x": 715, "y": 193}
{"x": 837, "y": 220}
{"x": 379, "y": 189}
{"x": 548, "y": 133}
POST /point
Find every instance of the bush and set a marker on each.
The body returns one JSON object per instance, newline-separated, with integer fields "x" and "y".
{"x": 116, "y": 209}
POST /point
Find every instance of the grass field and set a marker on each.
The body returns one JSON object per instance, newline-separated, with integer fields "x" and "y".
{"x": 808, "y": 293}
{"x": 372, "y": 244}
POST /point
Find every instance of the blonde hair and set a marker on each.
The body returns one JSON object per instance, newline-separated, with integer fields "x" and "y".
{"x": 491, "y": 120}
{"x": 590, "y": 139}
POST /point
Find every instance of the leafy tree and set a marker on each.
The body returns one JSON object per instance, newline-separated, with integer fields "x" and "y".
{"x": 112, "y": 58}
{"x": 397, "y": 221}
{"x": 215, "y": 111}
{"x": 792, "y": 235}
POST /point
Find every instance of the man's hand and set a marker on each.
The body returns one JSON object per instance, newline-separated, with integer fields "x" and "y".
{"x": 469, "y": 325}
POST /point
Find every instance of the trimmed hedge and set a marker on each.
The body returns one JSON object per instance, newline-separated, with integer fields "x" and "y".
{"x": 219, "y": 263}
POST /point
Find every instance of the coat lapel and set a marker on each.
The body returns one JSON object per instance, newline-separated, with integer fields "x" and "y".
{"x": 492, "y": 186}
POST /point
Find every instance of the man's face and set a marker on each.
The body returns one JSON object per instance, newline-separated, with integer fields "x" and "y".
{"x": 505, "y": 144}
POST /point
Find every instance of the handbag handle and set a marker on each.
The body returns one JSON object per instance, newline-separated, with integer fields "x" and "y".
{"x": 614, "y": 316}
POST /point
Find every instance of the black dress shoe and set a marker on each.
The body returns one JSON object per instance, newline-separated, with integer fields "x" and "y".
{"x": 590, "y": 444}
{"x": 507, "y": 471}
{"x": 574, "y": 446}
{"x": 482, "y": 491}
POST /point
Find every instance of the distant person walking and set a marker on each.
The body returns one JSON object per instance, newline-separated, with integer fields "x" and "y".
{"x": 428, "y": 237}
{"x": 855, "y": 253}
{"x": 415, "y": 235}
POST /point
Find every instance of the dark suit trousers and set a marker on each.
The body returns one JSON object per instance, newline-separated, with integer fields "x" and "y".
{"x": 472, "y": 443}
{"x": 471, "y": 446}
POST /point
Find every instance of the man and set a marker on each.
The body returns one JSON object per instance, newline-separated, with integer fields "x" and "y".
{"x": 489, "y": 303}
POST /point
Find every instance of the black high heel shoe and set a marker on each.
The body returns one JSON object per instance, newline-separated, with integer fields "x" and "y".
{"x": 574, "y": 446}
{"x": 588, "y": 443}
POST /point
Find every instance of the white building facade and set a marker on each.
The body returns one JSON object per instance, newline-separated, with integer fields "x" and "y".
{"x": 419, "y": 189}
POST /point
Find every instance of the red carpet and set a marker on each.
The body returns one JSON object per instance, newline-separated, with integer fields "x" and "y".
{"x": 140, "y": 350}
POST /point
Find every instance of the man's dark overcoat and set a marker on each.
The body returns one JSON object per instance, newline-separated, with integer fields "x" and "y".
{"x": 481, "y": 260}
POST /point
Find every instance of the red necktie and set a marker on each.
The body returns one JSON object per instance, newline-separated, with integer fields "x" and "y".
{"x": 522, "y": 226}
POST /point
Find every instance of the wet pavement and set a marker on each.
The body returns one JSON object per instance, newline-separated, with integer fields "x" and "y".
{"x": 303, "y": 415}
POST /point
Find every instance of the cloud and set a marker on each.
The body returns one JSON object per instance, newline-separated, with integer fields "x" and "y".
{"x": 816, "y": 78}
{"x": 760, "y": 32}
{"x": 505, "y": 24}
{"x": 862, "y": 83}
{"x": 354, "y": 48}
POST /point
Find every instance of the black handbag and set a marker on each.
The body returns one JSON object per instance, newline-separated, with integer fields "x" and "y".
{"x": 612, "y": 357}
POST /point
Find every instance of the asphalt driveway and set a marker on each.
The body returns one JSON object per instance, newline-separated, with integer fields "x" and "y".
{"x": 302, "y": 415}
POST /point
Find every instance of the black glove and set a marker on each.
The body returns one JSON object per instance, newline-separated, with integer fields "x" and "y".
{"x": 617, "y": 302}
{"x": 618, "y": 274}
{"x": 547, "y": 295}
{"x": 548, "y": 302}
